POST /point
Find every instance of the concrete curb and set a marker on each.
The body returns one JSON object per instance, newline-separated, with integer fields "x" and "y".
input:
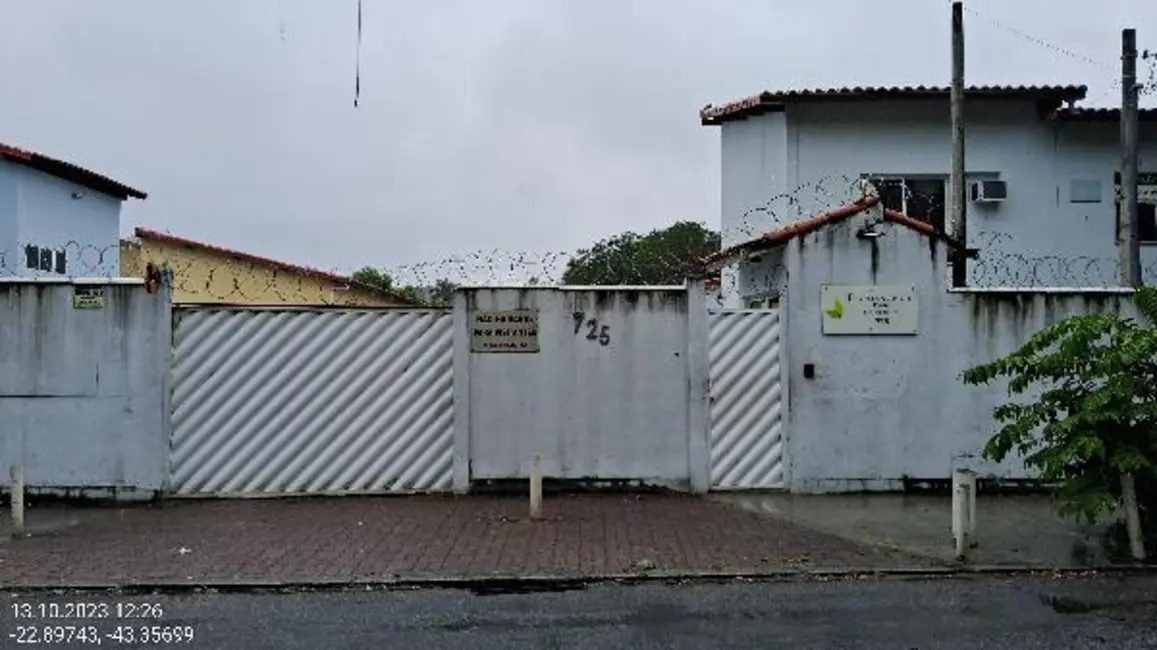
{"x": 508, "y": 584}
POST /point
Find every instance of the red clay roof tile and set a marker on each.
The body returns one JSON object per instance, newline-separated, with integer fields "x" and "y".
{"x": 69, "y": 172}
{"x": 787, "y": 232}
{"x": 776, "y": 100}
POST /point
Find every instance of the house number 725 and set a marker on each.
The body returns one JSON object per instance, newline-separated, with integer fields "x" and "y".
{"x": 595, "y": 331}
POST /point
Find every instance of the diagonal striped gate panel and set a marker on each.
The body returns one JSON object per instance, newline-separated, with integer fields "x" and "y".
{"x": 748, "y": 414}
{"x": 269, "y": 401}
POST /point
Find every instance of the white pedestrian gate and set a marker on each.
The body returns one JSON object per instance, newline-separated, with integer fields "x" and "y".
{"x": 748, "y": 399}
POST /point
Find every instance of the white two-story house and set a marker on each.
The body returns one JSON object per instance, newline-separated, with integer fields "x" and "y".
{"x": 1042, "y": 171}
{"x": 57, "y": 218}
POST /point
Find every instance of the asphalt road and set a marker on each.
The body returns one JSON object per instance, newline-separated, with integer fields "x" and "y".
{"x": 1017, "y": 614}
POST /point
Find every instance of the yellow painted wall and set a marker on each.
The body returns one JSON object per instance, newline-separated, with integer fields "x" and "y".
{"x": 206, "y": 276}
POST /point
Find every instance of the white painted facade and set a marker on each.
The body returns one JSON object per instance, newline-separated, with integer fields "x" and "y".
{"x": 878, "y": 410}
{"x": 782, "y": 166}
{"x": 73, "y": 230}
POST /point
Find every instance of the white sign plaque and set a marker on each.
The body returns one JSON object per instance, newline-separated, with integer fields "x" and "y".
{"x": 869, "y": 309}
{"x": 514, "y": 330}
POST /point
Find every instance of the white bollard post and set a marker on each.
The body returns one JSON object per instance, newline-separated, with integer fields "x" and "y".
{"x": 16, "y": 474}
{"x": 536, "y": 487}
{"x": 971, "y": 483}
{"x": 960, "y": 504}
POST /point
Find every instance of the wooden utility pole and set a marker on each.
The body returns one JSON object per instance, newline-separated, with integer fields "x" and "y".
{"x": 1128, "y": 243}
{"x": 958, "y": 188}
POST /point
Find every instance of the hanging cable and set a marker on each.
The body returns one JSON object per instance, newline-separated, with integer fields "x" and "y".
{"x": 281, "y": 19}
{"x": 358, "y": 60}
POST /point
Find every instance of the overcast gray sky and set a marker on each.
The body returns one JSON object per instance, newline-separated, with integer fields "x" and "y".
{"x": 520, "y": 125}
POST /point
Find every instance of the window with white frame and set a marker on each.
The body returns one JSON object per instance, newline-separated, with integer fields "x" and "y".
{"x": 922, "y": 197}
{"x": 42, "y": 258}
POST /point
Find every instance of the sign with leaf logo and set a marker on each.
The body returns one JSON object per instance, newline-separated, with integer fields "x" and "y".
{"x": 869, "y": 309}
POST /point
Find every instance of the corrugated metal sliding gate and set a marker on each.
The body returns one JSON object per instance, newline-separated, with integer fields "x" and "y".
{"x": 295, "y": 401}
{"x": 748, "y": 400}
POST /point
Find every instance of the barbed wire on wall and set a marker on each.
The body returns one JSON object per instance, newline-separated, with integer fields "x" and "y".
{"x": 191, "y": 280}
{"x": 999, "y": 264}
{"x": 1002, "y": 261}
{"x": 804, "y": 201}
{"x": 492, "y": 266}
{"x": 219, "y": 279}
{"x": 765, "y": 277}
{"x": 212, "y": 279}
{"x": 1148, "y": 77}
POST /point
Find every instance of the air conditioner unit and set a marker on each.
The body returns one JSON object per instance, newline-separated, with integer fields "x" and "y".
{"x": 988, "y": 191}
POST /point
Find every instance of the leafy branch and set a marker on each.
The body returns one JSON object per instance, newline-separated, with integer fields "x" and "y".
{"x": 1088, "y": 411}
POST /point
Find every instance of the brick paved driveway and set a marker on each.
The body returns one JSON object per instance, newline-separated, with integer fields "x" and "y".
{"x": 371, "y": 539}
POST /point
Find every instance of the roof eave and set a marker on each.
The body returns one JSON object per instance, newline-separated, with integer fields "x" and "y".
{"x": 762, "y": 109}
{"x": 737, "y": 254}
{"x": 71, "y": 173}
{"x": 784, "y": 234}
{"x": 165, "y": 238}
{"x": 711, "y": 115}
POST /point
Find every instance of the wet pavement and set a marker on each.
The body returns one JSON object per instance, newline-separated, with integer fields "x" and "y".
{"x": 1012, "y": 530}
{"x": 362, "y": 539}
{"x": 962, "y": 613}
{"x": 42, "y": 520}
{"x": 386, "y": 539}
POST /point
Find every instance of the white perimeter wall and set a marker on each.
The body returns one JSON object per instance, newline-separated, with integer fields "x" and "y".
{"x": 635, "y": 408}
{"x": 884, "y": 408}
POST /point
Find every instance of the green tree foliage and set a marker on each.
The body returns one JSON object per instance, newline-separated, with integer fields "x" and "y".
{"x": 372, "y": 277}
{"x": 439, "y": 295}
{"x": 381, "y": 279}
{"x": 1088, "y": 413}
{"x": 664, "y": 256}
{"x": 442, "y": 293}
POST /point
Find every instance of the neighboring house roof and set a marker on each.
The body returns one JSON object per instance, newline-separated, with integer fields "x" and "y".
{"x": 768, "y": 101}
{"x": 162, "y": 237}
{"x": 69, "y": 172}
{"x": 790, "y": 231}
{"x": 1101, "y": 115}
